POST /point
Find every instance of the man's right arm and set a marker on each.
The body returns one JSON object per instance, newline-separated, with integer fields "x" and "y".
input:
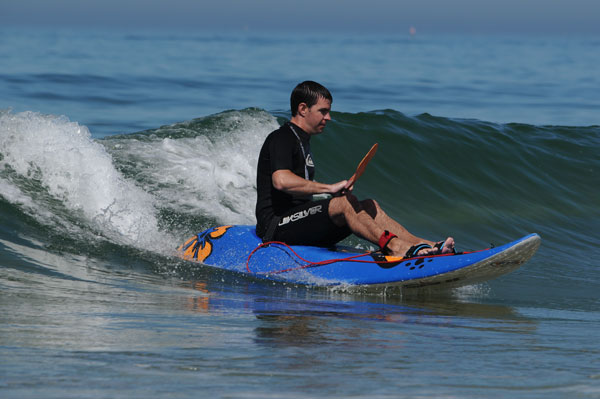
{"x": 287, "y": 181}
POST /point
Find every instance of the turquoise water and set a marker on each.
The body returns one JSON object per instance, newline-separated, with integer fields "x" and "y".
{"x": 117, "y": 146}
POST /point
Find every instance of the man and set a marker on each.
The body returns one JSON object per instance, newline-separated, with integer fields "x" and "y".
{"x": 285, "y": 210}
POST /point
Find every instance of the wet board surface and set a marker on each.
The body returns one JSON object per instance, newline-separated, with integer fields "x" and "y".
{"x": 237, "y": 248}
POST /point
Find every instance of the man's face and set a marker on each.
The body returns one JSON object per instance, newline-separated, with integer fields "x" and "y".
{"x": 317, "y": 116}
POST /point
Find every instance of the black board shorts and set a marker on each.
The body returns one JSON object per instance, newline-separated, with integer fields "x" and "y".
{"x": 307, "y": 224}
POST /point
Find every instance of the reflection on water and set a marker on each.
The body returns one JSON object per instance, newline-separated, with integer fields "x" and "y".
{"x": 315, "y": 340}
{"x": 199, "y": 303}
{"x": 306, "y": 316}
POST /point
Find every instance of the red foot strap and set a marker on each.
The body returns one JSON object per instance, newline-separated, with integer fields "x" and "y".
{"x": 385, "y": 239}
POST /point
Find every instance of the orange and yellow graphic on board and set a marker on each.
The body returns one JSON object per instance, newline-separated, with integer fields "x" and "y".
{"x": 200, "y": 247}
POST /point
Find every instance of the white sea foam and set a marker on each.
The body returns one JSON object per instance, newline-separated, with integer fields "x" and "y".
{"x": 469, "y": 292}
{"x": 212, "y": 174}
{"x": 61, "y": 157}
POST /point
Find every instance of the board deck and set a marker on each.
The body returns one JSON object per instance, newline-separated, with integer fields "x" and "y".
{"x": 237, "y": 248}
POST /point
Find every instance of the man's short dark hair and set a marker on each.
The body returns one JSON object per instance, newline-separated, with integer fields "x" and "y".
{"x": 308, "y": 92}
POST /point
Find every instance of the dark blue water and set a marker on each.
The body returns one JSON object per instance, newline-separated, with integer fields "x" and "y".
{"x": 116, "y": 146}
{"x": 121, "y": 82}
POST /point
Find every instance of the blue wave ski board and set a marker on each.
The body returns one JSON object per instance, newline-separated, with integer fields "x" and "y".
{"x": 237, "y": 248}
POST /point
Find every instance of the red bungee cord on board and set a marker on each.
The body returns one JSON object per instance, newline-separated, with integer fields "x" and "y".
{"x": 309, "y": 264}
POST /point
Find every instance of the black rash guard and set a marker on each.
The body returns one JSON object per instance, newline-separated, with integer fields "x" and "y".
{"x": 281, "y": 150}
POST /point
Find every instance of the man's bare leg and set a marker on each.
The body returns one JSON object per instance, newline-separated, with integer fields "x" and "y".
{"x": 366, "y": 219}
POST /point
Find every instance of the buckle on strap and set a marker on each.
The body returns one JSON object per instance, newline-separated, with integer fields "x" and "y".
{"x": 385, "y": 239}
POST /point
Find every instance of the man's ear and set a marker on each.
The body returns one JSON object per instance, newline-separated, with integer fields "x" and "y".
{"x": 302, "y": 109}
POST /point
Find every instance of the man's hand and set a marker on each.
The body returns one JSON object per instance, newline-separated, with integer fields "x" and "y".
{"x": 339, "y": 188}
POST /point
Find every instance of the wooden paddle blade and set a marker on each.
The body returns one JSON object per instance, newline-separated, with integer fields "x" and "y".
{"x": 362, "y": 166}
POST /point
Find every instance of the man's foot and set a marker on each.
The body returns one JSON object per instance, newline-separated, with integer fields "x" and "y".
{"x": 442, "y": 247}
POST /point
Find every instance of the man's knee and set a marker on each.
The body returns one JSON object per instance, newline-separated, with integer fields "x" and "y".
{"x": 371, "y": 207}
{"x": 348, "y": 205}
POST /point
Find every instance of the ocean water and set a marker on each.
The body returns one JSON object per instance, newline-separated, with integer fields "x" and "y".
{"x": 116, "y": 146}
